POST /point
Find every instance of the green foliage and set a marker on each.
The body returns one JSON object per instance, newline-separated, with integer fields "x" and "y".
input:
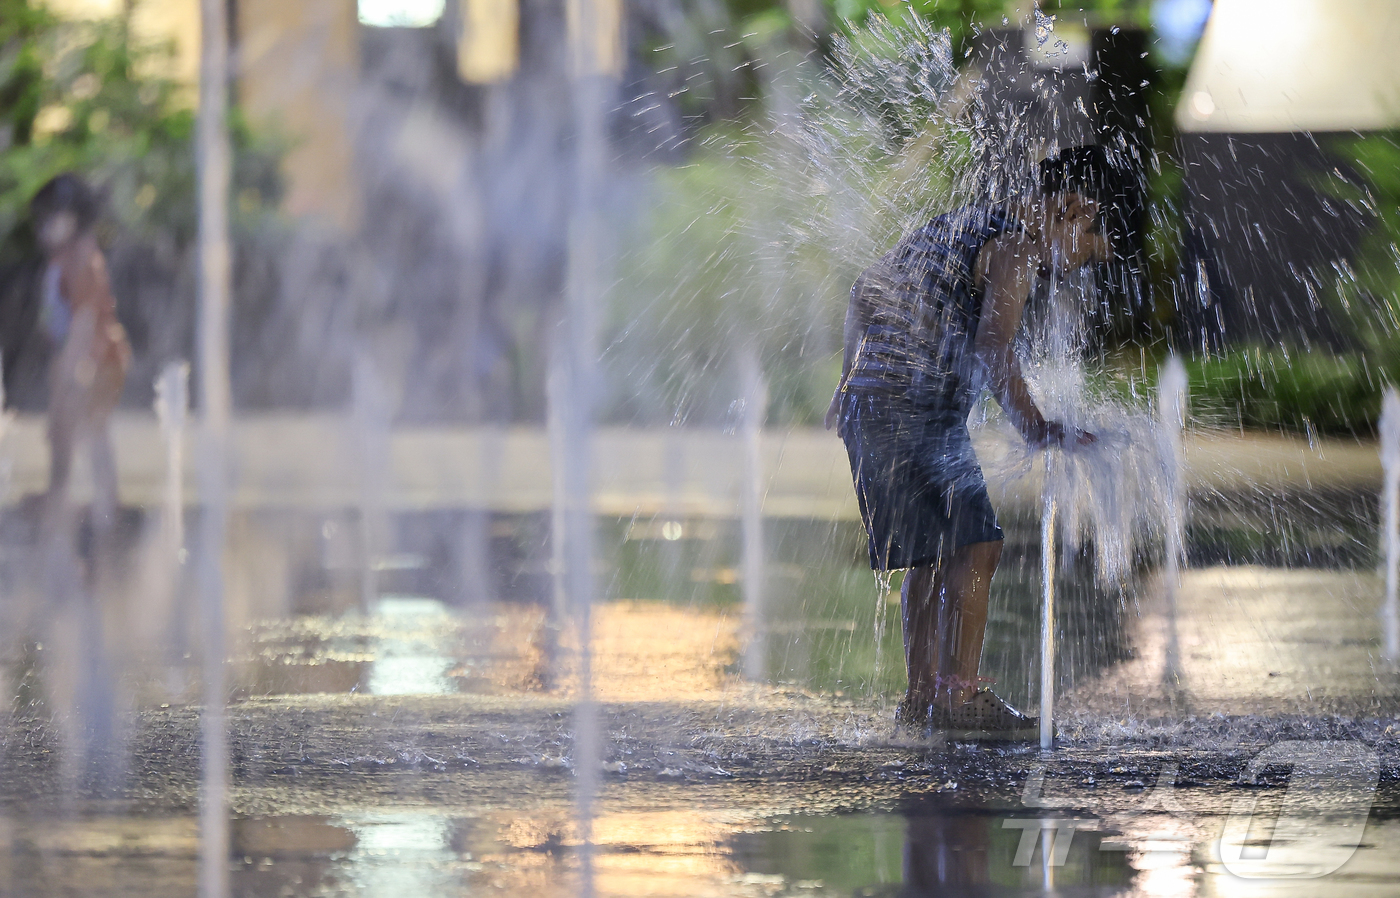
{"x": 703, "y": 286}
{"x": 1367, "y": 297}
{"x": 1122, "y": 12}
{"x": 752, "y": 246}
{"x": 960, "y": 17}
{"x": 21, "y": 69}
{"x": 88, "y": 96}
{"x": 1282, "y": 389}
{"x": 963, "y": 18}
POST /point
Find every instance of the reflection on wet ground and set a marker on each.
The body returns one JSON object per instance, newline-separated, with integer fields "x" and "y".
{"x": 668, "y": 843}
{"x": 1254, "y": 641}
{"x": 424, "y": 747}
{"x": 418, "y": 750}
{"x": 666, "y": 853}
{"x": 643, "y": 651}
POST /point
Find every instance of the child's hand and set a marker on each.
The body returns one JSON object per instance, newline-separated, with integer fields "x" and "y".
{"x": 1057, "y": 433}
{"x": 1076, "y": 437}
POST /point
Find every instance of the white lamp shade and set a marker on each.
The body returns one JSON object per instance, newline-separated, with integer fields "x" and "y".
{"x": 1295, "y": 65}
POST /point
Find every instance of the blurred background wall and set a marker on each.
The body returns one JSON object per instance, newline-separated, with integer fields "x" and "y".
{"x": 1275, "y": 97}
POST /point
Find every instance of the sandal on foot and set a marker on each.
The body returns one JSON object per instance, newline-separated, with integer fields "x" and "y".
{"x": 986, "y": 716}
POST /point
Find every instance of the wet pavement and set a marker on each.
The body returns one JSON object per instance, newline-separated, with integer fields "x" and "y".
{"x": 424, "y": 745}
{"x": 423, "y": 749}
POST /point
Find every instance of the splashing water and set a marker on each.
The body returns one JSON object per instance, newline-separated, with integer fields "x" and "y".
{"x": 871, "y": 151}
{"x": 887, "y": 136}
{"x": 891, "y": 140}
{"x": 1044, "y": 26}
{"x": 884, "y": 584}
{"x": 1109, "y": 493}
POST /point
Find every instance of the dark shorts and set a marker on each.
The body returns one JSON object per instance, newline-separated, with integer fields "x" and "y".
{"x": 917, "y": 479}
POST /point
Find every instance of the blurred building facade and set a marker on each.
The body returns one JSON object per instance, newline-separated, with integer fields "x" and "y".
{"x": 427, "y": 182}
{"x": 417, "y": 270}
{"x": 430, "y": 169}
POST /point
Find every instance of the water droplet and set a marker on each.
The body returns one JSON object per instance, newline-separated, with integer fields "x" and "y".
{"x": 1044, "y": 27}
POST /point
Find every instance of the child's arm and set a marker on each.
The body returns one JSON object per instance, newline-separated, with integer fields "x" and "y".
{"x": 1008, "y": 270}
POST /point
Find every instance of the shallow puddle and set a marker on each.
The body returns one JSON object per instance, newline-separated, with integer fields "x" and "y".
{"x": 921, "y": 849}
{"x": 427, "y": 749}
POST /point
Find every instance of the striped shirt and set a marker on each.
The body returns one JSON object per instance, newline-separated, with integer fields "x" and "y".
{"x": 920, "y": 306}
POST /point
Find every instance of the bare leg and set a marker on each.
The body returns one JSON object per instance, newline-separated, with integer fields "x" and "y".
{"x": 945, "y": 619}
{"x": 923, "y": 646}
{"x": 969, "y": 586}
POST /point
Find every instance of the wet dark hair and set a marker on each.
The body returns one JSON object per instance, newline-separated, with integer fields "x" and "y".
{"x": 1090, "y": 171}
{"x": 67, "y": 192}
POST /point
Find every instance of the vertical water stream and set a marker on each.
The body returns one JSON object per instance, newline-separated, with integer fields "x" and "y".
{"x": 172, "y": 407}
{"x": 1047, "y": 606}
{"x": 1390, "y": 507}
{"x": 577, "y": 391}
{"x": 751, "y": 512}
{"x": 214, "y": 166}
{"x": 1172, "y": 410}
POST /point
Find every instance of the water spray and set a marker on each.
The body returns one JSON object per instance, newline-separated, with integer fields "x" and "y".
{"x": 172, "y": 407}
{"x": 1172, "y": 411}
{"x": 751, "y": 511}
{"x": 214, "y": 156}
{"x": 1047, "y": 607}
{"x": 371, "y": 418}
{"x": 592, "y": 86}
{"x": 1390, "y": 511}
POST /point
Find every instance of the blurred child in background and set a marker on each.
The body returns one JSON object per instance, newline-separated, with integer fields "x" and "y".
{"x": 90, "y": 349}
